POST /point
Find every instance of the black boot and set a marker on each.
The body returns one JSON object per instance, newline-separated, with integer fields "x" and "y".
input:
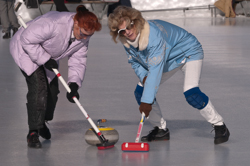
{"x": 33, "y": 140}
{"x": 44, "y": 132}
{"x": 221, "y": 134}
{"x": 14, "y": 31}
{"x": 156, "y": 135}
{"x": 6, "y": 35}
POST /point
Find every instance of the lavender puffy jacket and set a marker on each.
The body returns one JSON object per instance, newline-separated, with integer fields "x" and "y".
{"x": 47, "y": 37}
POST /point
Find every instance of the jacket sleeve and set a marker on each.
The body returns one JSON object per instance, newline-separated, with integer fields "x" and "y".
{"x": 77, "y": 65}
{"x": 140, "y": 71}
{"x": 32, "y": 38}
{"x": 157, "y": 51}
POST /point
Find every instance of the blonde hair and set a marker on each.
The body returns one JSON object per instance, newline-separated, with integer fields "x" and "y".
{"x": 121, "y": 14}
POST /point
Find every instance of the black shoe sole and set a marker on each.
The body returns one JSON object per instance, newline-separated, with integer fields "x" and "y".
{"x": 220, "y": 140}
{"x": 157, "y": 139}
{"x": 35, "y": 145}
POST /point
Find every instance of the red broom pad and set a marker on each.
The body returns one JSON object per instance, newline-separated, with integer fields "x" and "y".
{"x": 135, "y": 147}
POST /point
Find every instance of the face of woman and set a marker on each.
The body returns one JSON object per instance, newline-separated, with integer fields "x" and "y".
{"x": 128, "y": 31}
{"x": 81, "y": 33}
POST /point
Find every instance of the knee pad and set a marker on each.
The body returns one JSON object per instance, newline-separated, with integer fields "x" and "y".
{"x": 196, "y": 98}
{"x": 138, "y": 93}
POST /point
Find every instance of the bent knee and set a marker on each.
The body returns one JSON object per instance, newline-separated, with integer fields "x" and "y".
{"x": 196, "y": 98}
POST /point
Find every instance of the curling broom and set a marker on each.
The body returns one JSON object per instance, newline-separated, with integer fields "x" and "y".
{"x": 136, "y": 146}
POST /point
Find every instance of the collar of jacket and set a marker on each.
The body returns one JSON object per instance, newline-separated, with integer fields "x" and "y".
{"x": 144, "y": 37}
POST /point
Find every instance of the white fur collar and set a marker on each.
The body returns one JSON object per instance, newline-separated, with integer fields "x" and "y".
{"x": 143, "y": 40}
{"x": 135, "y": 43}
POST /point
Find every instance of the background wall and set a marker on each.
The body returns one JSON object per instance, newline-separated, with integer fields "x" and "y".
{"x": 29, "y": 14}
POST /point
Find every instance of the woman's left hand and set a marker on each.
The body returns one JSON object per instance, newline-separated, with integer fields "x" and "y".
{"x": 146, "y": 108}
{"x": 73, "y": 92}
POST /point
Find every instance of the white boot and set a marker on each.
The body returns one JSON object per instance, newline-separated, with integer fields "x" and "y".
{"x": 211, "y": 115}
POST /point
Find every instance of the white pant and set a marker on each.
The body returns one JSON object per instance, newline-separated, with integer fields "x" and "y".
{"x": 192, "y": 72}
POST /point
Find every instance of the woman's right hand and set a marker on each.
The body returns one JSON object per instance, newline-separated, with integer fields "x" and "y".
{"x": 51, "y": 63}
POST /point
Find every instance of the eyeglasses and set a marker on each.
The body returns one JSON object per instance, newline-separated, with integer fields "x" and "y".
{"x": 82, "y": 34}
{"x": 129, "y": 27}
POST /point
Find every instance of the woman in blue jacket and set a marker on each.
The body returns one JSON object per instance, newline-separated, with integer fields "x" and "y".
{"x": 156, "y": 50}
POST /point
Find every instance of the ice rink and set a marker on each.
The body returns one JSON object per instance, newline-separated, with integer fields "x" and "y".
{"x": 107, "y": 93}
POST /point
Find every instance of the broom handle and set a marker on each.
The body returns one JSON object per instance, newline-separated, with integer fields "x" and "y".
{"x": 20, "y": 19}
{"x": 137, "y": 139}
{"x": 68, "y": 90}
{"x": 77, "y": 101}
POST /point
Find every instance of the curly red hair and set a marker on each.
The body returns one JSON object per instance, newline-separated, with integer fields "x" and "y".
{"x": 86, "y": 19}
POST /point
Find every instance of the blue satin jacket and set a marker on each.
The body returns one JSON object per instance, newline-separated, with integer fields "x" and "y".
{"x": 168, "y": 47}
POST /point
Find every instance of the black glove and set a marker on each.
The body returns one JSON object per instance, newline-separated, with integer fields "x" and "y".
{"x": 73, "y": 87}
{"x": 146, "y": 108}
{"x": 51, "y": 63}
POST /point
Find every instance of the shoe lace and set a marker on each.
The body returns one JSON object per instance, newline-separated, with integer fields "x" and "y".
{"x": 153, "y": 133}
{"x": 219, "y": 130}
{"x": 213, "y": 128}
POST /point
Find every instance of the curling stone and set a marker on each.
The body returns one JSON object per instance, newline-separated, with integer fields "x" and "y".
{"x": 109, "y": 133}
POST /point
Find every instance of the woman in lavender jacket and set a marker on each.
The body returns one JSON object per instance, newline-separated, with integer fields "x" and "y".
{"x": 38, "y": 48}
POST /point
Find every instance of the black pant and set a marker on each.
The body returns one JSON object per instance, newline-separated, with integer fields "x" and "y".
{"x": 41, "y": 98}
